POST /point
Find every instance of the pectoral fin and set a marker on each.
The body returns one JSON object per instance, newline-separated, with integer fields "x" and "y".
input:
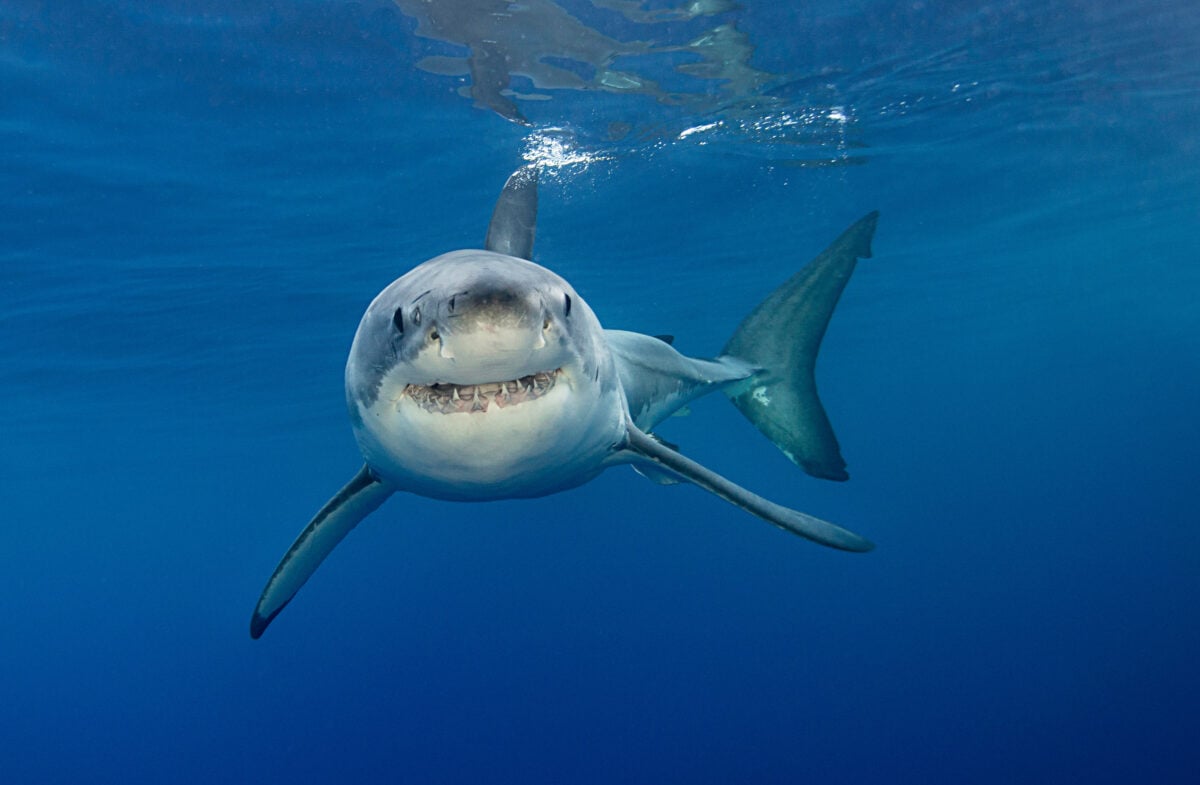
{"x": 357, "y": 500}
{"x": 655, "y": 473}
{"x": 644, "y": 448}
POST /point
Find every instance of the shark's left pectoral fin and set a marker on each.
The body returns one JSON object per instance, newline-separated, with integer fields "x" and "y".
{"x": 643, "y": 448}
{"x": 655, "y": 473}
{"x": 361, "y": 496}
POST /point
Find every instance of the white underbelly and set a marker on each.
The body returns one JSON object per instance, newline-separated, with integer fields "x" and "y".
{"x": 538, "y": 447}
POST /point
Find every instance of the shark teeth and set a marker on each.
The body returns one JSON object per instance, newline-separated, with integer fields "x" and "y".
{"x": 444, "y": 398}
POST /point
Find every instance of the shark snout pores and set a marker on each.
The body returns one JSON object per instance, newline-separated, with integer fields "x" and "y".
{"x": 492, "y": 318}
{"x": 492, "y": 306}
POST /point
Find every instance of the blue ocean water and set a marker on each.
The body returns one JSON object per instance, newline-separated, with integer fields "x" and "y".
{"x": 198, "y": 199}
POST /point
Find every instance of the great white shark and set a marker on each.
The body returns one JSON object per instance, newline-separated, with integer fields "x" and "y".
{"x": 480, "y": 375}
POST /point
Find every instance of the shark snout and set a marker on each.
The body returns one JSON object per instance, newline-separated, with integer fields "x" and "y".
{"x": 493, "y": 310}
{"x": 492, "y": 306}
{"x": 492, "y": 324}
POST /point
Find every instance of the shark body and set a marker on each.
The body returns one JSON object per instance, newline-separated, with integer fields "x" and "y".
{"x": 480, "y": 375}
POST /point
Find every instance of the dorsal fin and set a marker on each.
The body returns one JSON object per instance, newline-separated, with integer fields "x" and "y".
{"x": 669, "y": 340}
{"x": 515, "y": 218}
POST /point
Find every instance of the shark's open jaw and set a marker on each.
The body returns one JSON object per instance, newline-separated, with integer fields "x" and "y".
{"x": 445, "y": 398}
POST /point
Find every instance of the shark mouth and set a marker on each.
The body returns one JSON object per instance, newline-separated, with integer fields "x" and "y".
{"x": 444, "y": 398}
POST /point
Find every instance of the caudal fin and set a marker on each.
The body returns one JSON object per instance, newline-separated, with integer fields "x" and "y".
{"x": 782, "y": 337}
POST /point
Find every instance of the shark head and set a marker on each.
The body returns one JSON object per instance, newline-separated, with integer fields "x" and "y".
{"x": 477, "y": 375}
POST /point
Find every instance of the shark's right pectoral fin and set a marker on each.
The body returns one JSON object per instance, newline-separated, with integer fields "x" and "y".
{"x": 643, "y": 448}
{"x": 361, "y": 496}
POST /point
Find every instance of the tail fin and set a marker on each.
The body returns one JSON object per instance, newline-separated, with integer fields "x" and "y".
{"x": 782, "y": 337}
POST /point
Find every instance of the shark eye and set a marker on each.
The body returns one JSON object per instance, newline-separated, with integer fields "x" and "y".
{"x": 398, "y": 320}
{"x": 566, "y": 305}
{"x": 416, "y": 315}
{"x": 434, "y": 335}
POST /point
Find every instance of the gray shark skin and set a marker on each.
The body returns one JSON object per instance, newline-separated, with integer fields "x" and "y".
{"x": 480, "y": 375}
{"x": 783, "y": 400}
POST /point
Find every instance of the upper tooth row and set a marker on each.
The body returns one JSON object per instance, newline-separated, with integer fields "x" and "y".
{"x": 532, "y": 386}
{"x": 532, "y": 382}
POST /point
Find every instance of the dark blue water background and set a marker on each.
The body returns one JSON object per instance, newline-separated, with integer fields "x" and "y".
{"x": 198, "y": 199}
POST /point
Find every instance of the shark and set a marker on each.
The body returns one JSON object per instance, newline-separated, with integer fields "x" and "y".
{"x": 481, "y": 375}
